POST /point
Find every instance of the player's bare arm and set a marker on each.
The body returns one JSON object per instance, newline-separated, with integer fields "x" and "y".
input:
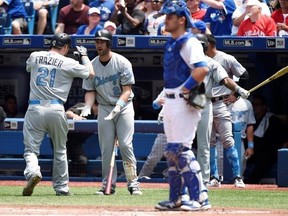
{"x": 230, "y": 84}
{"x": 126, "y": 92}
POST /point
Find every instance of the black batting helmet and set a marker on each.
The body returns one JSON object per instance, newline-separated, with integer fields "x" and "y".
{"x": 203, "y": 40}
{"x": 60, "y": 40}
{"x": 103, "y": 34}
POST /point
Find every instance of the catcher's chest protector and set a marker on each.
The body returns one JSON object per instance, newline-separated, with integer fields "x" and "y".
{"x": 176, "y": 71}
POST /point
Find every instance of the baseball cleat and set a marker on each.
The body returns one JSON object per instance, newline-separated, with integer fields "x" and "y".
{"x": 33, "y": 181}
{"x": 63, "y": 193}
{"x": 191, "y": 206}
{"x": 214, "y": 182}
{"x": 135, "y": 191}
{"x": 102, "y": 191}
{"x": 238, "y": 182}
{"x": 206, "y": 205}
{"x": 167, "y": 206}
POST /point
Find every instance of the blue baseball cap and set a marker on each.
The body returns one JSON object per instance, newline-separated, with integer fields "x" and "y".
{"x": 200, "y": 25}
{"x": 179, "y": 8}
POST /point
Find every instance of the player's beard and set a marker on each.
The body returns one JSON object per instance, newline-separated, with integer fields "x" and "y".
{"x": 103, "y": 52}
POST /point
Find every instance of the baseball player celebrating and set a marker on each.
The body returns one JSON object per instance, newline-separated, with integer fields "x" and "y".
{"x": 51, "y": 77}
{"x": 113, "y": 82}
{"x": 185, "y": 67}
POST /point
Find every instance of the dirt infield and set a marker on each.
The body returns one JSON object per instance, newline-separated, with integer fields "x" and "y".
{"x": 131, "y": 211}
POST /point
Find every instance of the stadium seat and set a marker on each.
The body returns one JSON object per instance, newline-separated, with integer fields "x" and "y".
{"x": 30, "y": 18}
{"x": 5, "y": 23}
{"x": 53, "y": 9}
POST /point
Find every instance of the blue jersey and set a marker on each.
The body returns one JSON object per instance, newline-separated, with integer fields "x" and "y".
{"x": 176, "y": 71}
{"x": 81, "y": 30}
{"x": 220, "y": 20}
{"x": 106, "y": 9}
{"x": 15, "y": 8}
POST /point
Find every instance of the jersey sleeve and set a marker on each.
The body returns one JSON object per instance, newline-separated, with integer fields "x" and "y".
{"x": 236, "y": 68}
{"x": 87, "y": 84}
{"x": 192, "y": 52}
{"x": 77, "y": 69}
{"x": 127, "y": 76}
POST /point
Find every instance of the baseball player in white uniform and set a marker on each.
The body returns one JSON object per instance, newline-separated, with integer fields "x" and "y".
{"x": 51, "y": 77}
{"x": 217, "y": 76}
{"x": 113, "y": 81}
{"x": 184, "y": 67}
{"x": 222, "y": 124}
{"x": 242, "y": 112}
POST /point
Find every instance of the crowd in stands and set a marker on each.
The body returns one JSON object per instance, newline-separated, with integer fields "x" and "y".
{"x": 143, "y": 17}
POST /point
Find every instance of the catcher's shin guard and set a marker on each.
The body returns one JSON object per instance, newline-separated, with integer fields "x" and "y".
{"x": 191, "y": 173}
{"x": 175, "y": 182}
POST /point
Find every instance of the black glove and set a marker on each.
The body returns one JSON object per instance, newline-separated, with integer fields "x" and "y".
{"x": 196, "y": 97}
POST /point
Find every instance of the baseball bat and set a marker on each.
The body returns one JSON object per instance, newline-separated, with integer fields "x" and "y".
{"x": 278, "y": 74}
{"x": 109, "y": 177}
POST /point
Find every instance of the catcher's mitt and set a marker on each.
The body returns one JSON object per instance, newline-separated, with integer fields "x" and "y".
{"x": 196, "y": 97}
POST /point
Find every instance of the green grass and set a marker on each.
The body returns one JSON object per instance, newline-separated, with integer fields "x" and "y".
{"x": 84, "y": 196}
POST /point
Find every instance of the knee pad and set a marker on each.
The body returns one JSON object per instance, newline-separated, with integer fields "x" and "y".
{"x": 173, "y": 151}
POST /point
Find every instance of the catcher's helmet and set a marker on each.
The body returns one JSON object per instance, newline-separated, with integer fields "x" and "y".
{"x": 179, "y": 8}
{"x": 103, "y": 34}
{"x": 203, "y": 40}
{"x": 61, "y": 39}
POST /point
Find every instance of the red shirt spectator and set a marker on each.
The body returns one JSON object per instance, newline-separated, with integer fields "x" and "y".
{"x": 196, "y": 12}
{"x": 72, "y": 16}
{"x": 257, "y": 24}
{"x": 280, "y": 16}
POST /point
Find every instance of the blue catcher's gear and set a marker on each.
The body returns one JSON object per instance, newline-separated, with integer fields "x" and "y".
{"x": 175, "y": 76}
{"x": 179, "y": 8}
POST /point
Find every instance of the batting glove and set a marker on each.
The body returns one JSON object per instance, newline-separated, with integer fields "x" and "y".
{"x": 81, "y": 51}
{"x": 160, "y": 117}
{"x": 113, "y": 113}
{"x": 242, "y": 92}
{"x": 86, "y": 110}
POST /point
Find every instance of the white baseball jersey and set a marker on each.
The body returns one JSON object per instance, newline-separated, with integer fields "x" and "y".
{"x": 242, "y": 112}
{"x": 109, "y": 79}
{"x": 52, "y": 75}
{"x": 215, "y": 75}
{"x": 232, "y": 67}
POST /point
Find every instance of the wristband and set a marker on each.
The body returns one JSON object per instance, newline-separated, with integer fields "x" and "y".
{"x": 250, "y": 144}
{"x": 190, "y": 83}
{"x": 155, "y": 105}
{"x": 121, "y": 103}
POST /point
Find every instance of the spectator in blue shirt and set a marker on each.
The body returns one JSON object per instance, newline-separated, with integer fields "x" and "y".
{"x": 106, "y": 8}
{"x": 93, "y": 25}
{"x": 16, "y": 10}
{"x": 218, "y": 17}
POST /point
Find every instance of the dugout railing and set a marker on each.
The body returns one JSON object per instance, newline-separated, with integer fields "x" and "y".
{"x": 12, "y": 163}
